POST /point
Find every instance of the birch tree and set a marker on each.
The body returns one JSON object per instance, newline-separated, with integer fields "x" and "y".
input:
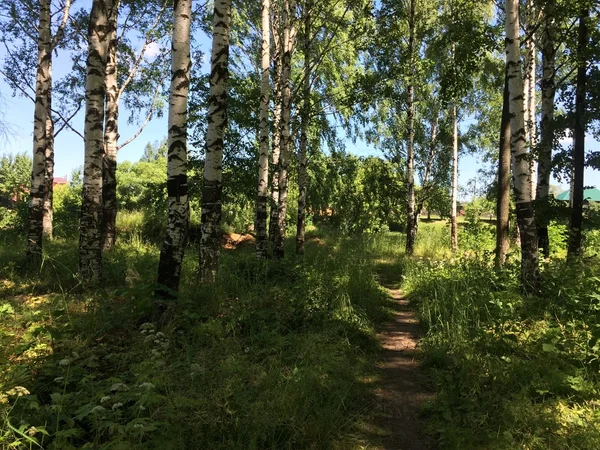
{"x": 304, "y": 123}
{"x": 173, "y": 247}
{"x": 411, "y": 227}
{"x": 217, "y": 121}
{"x": 288, "y": 44}
{"x": 38, "y": 183}
{"x": 90, "y": 242}
{"x": 263, "y": 163}
{"x": 547, "y": 121}
{"x": 521, "y": 172}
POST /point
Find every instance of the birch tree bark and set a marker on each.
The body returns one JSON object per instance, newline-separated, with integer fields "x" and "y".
{"x": 90, "y": 242}
{"x": 263, "y": 161}
{"x": 411, "y": 225}
{"x": 521, "y": 172}
{"x": 217, "y": 121}
{"x": 49, "y": 155}
{"x": 38, "y": 173}
{"x": 276, "y": 144}
{"x": 111, "y": 137}
{"x": 173, "y": 247}
{"x": 288, "y": 38}
{"x": 576, "y": 222}
{"x": 305, "y": 113}
{"x": 503, "y": 199}
{"x": 529, "y": 89}
{"x": 454, "y": 195}
{"x": 546, "y": 124}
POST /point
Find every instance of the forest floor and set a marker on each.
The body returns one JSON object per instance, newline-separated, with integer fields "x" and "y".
{"x": 404, "y": 385}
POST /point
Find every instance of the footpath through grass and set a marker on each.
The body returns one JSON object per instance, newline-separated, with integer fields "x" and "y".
{"x": 278, "y": 355}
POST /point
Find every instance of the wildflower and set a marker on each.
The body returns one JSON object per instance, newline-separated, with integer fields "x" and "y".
{"x": 146, "y": 385}
{"x": 119, "y": 387}
{"x": 59, "y": 379}
{"x": 144, "y": 331}
{"x": 105, "y": 399}
{"x": 32, "y": 431}
{"x": 157, "y": 341}
{"x": 147, "y": 326}
{"x": 138, "y": 426}
{"x": 18, "y": 391}
{"x": 247, "y": 349}
{"x": 64, "y": 362}
{"x": 160, "y": 334}
{"x": 98, "y": 409}
{"x": 117, "y": 405}
{"x": 142, "y": 408}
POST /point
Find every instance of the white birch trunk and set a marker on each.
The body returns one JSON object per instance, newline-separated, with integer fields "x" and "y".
{"x": 173, "y": 247}
{"x": 38, "y": 184}
{"x": 111, "y": 137}
{"x": 276, "y": 144}
{"x": 521, "y": 172}
{"x": 289, "y": 7}
{"x": 210, "y": 239}
{"x": 90, "y": 242}
{"x": 454, "y": 196}
{"x": 263, "y": 162}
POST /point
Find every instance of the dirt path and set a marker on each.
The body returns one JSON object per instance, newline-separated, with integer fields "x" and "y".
{"x": 403, "y": 384}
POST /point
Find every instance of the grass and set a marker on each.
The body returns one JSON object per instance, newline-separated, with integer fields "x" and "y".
{"x": 276, "y": 355}
{"x": 281, "y": 355}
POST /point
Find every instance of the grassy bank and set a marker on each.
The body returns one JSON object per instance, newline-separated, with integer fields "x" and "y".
{"x": 276, "y": 355}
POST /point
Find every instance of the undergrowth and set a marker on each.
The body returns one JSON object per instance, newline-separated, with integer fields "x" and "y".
{"x": 511, "y": 372}
{"x": 277, "y": 355}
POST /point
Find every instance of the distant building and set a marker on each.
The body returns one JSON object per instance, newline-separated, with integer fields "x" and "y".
{"x": 60, "y": 181}
{"x": 589, "y": 196}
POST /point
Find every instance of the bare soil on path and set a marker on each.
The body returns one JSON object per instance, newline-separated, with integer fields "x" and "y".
{"x": 404, "y": 385}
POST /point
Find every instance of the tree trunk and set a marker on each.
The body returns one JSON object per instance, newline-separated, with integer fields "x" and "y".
{"x": 453, "y": 220}
{"x": 37, "y": 189}
{"x": 521, "y": 172}
{"x": 289, "y": 6}
{"x": 263, "y": 162}
{"x": 90, "y": 242}
{"x": 302, "y": 157}
{"x": 546, "y": 125}
{"x": 530, "y": 85}
{"x": 111, "y": 137}
{"x": 579, "y": 140}
{"x": 277, "y": 101}
{"x": 210, "y": 240}
{"x": 503, "y": 199}
{"x": 49, "y": 173}
{"x": 173, "y": 247}
{"x": 411, "y": 223}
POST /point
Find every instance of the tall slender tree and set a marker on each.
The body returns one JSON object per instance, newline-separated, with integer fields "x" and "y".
{"x": 579, "y": 139}
{"x": 411, "y": 227}
{"x": 521, "y": 173}
{"x": 90, "y": 242}
{"x": 546, "y": 123}
{"x": 38, "y": 184}
{"x": 503, "y": 199}
{"x": 288, "y": 44}
{"x": 173, "y": 247}
{"x": 454, "y": 194}
{"x": 529, "y": 81}
{"x": 111, "y": 136}
{"x": 263, "y": 162}
{"x": 276, "y": 141}
{"x": 304, "y": 122}
{"x": 217, "y": 121}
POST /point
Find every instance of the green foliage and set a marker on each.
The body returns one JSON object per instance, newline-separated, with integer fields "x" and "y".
{"x": 15, "y": 177}
{"x": 271, "y": 357}
{"x": 355, "y": 185}
{"x": 510, "y": 372}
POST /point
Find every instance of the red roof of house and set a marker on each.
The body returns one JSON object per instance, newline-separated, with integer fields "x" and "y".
{"x": 60, "y": 180}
